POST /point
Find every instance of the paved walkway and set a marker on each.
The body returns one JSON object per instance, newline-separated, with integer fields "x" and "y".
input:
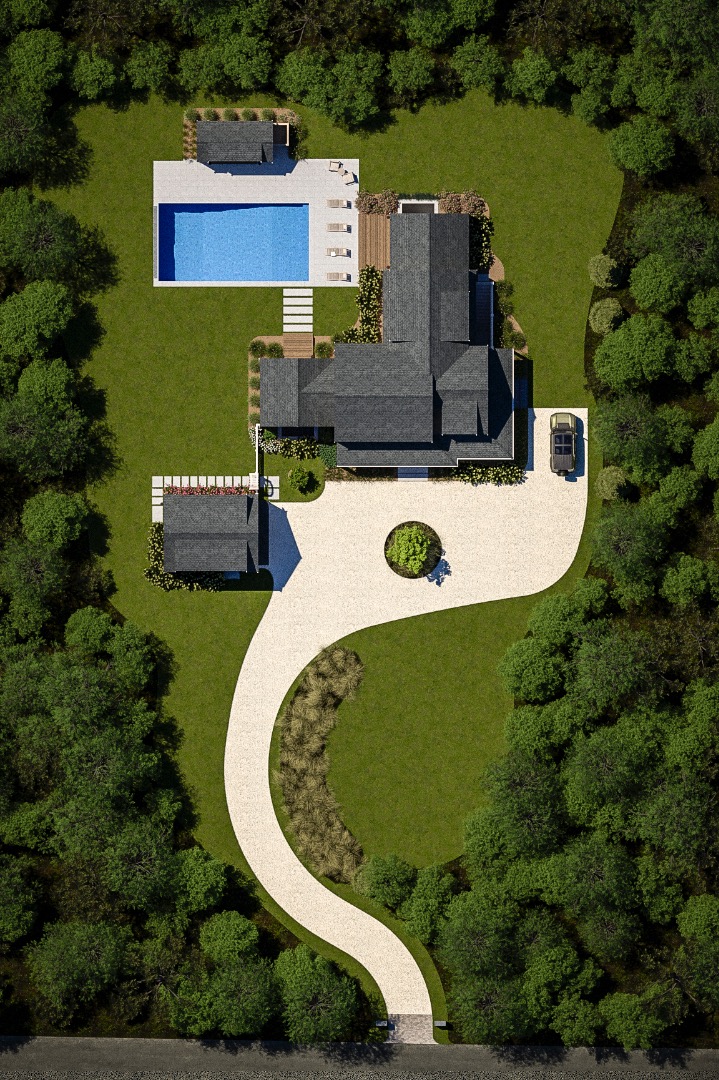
{"x": 331, "y": 579}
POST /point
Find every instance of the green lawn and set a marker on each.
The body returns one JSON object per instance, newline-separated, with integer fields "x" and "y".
{"x": 552, "y": 192}
{"x": 172, "y": 364}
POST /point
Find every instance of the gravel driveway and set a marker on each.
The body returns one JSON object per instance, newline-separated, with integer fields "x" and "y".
{"x": 331, "y": 579}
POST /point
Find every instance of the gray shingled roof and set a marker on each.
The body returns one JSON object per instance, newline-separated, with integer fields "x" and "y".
{"x": 459, "y": 416}
{"x": 234, "y": 142}
{"x": 211, "y": 532}
{"x": 279, "y": 391}
{"x": 388, "y": 402}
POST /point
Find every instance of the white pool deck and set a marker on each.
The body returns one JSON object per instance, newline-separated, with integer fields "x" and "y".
{"x": 285, "y": 181}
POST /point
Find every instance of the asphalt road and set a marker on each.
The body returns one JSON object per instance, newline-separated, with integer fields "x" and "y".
{"x": 179, "y": 1059}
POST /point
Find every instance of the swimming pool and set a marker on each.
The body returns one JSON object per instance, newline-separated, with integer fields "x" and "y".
{"x": 237, "y": 242}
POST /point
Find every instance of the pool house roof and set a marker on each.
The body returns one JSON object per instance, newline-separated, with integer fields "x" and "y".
{"x": 211, "y": 532}
{"x": 239, "y": 142}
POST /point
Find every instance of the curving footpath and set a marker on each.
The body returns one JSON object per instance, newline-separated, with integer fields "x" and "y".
{"x": 331, "y": 579}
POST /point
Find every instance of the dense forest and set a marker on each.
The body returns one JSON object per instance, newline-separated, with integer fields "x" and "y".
{"x": 586, "y": 906}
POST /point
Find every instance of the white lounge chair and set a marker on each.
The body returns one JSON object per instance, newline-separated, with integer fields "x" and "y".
{"x": 335, "y": 276}
{"x": 338, "y": 226}
{"x": 336, "y": 166}
{"x": 339, "y": 204}
{"x": 348, "y": 177}
{"x": 338, "y": 251}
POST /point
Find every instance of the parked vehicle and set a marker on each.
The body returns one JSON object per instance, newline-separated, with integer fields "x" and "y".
{"x": 563, "y": 443}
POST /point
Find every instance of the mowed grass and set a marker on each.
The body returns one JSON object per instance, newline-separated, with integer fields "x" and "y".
{"x": 172, "y": 365}
{"x": 552, "y": 193}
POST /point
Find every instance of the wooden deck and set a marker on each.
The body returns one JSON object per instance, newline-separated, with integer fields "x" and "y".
{"x": 300, "y": 345}
{"x": 374, "y": 241}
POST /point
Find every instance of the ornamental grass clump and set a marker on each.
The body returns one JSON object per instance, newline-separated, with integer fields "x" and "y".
{"x": 157, "y": 575}
{"x": 305, "y": 724}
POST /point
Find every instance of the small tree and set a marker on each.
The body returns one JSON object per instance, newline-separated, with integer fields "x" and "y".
{"x": 411, "y": 72}
{"x": 628, "y": 544}
{"x": 704, "y": 309}
{"x": 706, "y": 450}
{"x": 604, "y": 272}
{"x": 630, "y": 1021}
{"x": 93, "y": 76}
{"x": 148, "y": 66}
{"x": 605, "y": 316}
{"x": 228, "y": 936}
{"x": 54, "y": 518}
{"x": 302, "y": 479}
{"x": 532, "y": 670}
{"x": 642, "y": 145}
{"x": 427, "y": 906}
{"x": 689, "y": 580}
{"x": 654, "y": 284}
{"x": 478, "y": 64}
{"x": 320, "y": 1005}
{"x": 31, "y": 319}
{"x": 531, "y": 76}
{"x": 73, "y": 962}
{"x": 17, "y": 898}
{"x": 640, "y": 351}
{"x": 41, "y": 431}
{"x": 386, "y": 879}
{"x": 36, "y": 59}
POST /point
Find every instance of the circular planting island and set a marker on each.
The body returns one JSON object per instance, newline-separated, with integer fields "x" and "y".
{"x": 412, "y": 549}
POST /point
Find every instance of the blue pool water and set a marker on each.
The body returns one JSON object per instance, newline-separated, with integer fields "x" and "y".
{"x": 248, "y": 242}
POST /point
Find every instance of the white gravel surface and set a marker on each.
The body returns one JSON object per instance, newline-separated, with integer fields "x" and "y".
{"x": 331, "y": 579}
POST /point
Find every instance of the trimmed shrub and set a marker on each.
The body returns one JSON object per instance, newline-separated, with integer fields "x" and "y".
{"x": 327, "y": 455}
{"x": 254, "y": 382}
{"x": 302, "y": 479}
{"x": 643, "y": 145}
{"x": 386, "y": 879}
{"x": 210, "y": 114}
{"x": 324, "y": 350}
{"x": 511, "y": 338}
{"x": 255, "y": 366}
{"x": 656, "y": 285}
{"x": 229, "y": 114}
{"x": 384, "y": 202}
{"x": 248, "y": 114}
{"x": 254, "y": 401}
{"x": 258, "y": 347}
{"x": 267, "y": 114}
{"x": 605, "y": 316}
{"x": 275, "y": 350}
{"x": 604, "y": 272}
{"x": 193, "y": 115}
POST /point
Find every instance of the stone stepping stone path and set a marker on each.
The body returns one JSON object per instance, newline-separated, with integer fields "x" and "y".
{"x": 297, "y": 311}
